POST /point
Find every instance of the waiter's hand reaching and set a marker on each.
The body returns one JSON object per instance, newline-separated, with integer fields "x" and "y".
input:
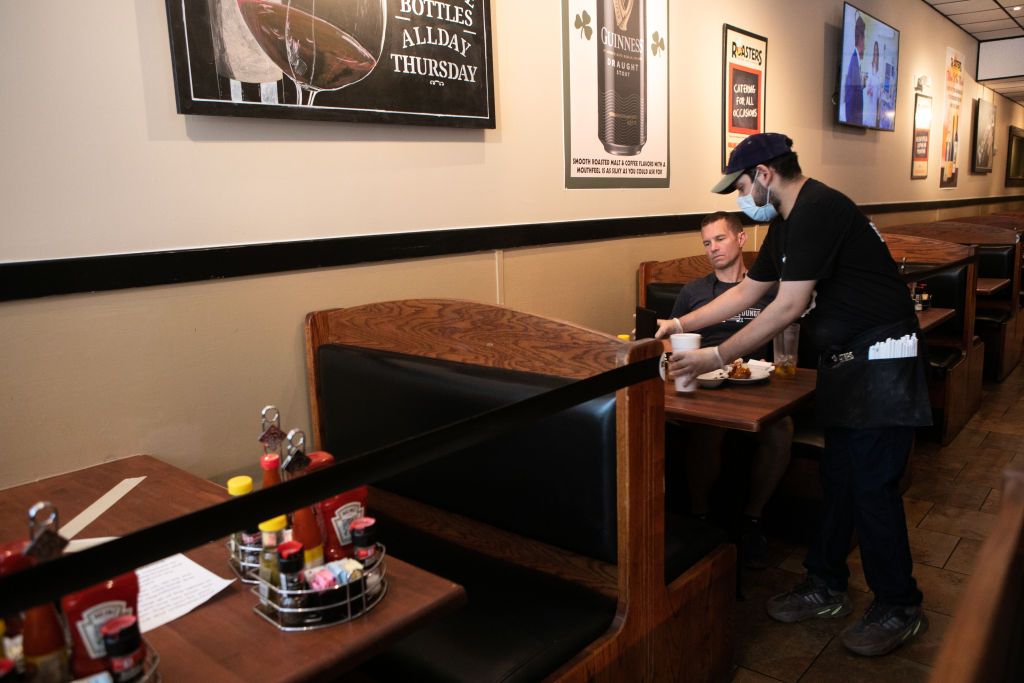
{"x": 689, "y": 364}
{"x": 668, "y": 327}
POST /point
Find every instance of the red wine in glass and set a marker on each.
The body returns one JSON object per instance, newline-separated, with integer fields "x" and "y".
{"x": 315, "y": 53}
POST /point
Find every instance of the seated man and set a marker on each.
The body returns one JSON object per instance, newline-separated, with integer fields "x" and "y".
{"x": 723, "y": 239}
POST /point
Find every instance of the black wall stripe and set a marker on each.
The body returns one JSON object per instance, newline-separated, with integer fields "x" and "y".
{"x": 33, "y": 279}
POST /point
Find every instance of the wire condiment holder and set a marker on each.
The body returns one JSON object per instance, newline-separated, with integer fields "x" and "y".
{"x": 308, "y": 610}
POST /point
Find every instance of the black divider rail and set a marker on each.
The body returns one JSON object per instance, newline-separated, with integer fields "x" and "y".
{"x": 49, "y": 580}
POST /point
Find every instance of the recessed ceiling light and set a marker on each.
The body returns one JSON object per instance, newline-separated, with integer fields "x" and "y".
{"x": 1017, "y": 8}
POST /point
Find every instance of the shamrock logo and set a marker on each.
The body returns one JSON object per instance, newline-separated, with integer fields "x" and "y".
{"x": 583, "y": 24}
{"x": 657, "y": 43}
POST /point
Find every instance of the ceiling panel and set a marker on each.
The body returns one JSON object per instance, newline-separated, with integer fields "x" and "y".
{"x": 976, "y": 26}
{"x": 962, "y": 6}
{"x": 984, "y": 19}
{"x": 1001, "y": 33}
{"x": 998, "y": 14}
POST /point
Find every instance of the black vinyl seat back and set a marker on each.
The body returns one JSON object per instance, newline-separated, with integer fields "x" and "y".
{"x": 554, "y": 481}
{"x": 995, "y": 261}
{"x": 661, "y": 297}
{"x": 948, "y": 289}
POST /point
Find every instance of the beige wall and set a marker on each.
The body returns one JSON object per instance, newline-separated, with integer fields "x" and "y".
{"x": 96, "y": 161}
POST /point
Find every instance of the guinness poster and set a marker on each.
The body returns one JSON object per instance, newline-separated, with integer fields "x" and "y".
{"x": 422, "y": 62}
{"x": 615, "y": 83}
{"x": 744, "y": 69}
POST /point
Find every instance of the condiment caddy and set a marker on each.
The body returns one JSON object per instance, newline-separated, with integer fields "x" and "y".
{"x": 318, "y": 566}
{"x": 105, "y": 641}
{"x": 333, "y": 594}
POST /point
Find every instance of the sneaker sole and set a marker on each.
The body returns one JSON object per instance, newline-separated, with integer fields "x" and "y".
{"x": 834, "y": 612}
{"x": 916, "y": 629}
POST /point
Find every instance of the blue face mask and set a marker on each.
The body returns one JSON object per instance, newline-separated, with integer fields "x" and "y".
{"x": 760, "y": 214}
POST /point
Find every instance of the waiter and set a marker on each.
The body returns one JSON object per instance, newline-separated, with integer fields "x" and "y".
{"x": 834, "y": 269}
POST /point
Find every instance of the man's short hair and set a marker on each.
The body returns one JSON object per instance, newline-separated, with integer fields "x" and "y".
{"x": 732, "y": 221}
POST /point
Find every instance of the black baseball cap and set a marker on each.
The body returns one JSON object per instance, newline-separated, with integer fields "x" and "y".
{"x": 754, "y": 150}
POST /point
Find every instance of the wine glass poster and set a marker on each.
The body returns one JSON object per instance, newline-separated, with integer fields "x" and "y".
{"x": 615, "y": 93}
{"x": 424, "y": 62}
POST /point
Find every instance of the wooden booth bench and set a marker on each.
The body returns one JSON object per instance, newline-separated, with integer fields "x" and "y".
{"x": 997, "y": 311}
{"x": 983, "y": 642}
{"x": 557, "y": 530}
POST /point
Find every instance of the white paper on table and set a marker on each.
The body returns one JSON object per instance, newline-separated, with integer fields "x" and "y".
{"x": 172, "y": 588}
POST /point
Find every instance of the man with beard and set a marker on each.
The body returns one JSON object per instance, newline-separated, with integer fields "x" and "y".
{"x": 834, "y": 269}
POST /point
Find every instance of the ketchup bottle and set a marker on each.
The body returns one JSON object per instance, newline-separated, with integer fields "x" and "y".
{"x": 88, "y": 610}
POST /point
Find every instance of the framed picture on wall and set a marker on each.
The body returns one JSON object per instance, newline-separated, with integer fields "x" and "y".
{"x": 922, "y": 136}
{"x": 744, "y": 72}
{"x": 615, "y": 93}
{"x": 984, "y": 137}
{"x": 383, "y": 61}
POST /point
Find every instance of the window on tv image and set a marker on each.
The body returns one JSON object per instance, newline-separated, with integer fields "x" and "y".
{"x": 868, "y": 68}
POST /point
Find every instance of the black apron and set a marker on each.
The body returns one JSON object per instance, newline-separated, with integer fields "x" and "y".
{"x": 858, "y": 393}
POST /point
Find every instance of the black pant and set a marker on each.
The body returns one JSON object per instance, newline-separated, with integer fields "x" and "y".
{"x": 860, "y": 475}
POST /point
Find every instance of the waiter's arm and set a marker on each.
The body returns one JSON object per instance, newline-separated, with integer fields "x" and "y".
{"x": 790, "y": 303}
{"x": 739, "y": 298}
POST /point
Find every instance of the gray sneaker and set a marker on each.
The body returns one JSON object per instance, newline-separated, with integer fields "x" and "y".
{"x": 883, "y": 628}
{"x": 809, "y": 599}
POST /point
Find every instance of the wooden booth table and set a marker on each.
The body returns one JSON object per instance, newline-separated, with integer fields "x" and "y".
{"x": 745, "y": 407}
{"x": 991, "y": 285}
{"x": 931, "y": 318}
{"x": 223, "y": 639}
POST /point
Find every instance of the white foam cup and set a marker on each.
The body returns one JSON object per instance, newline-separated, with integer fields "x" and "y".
{"x": 685, "y": 341}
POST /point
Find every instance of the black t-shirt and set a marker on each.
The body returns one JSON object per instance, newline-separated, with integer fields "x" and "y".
{"x": 700, "y": 292}
{"x": 826, "y": 238}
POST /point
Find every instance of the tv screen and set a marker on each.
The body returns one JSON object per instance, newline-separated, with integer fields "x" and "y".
{"x": 867, "y": 71}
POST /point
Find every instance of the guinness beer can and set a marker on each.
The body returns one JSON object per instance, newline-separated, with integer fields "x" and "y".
{"x": 622, "y": 75}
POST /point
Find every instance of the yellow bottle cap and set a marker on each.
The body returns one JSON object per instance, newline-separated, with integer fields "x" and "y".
{"x": 624, "y": 337}
{"x": 239, "y": 485}
{"x": 275, "y": 524}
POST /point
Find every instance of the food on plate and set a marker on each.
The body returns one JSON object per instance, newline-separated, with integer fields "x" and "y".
{"x": 739, "y": 370}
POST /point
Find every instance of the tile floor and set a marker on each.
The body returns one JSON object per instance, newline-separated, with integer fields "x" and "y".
{"x": 950, "y": 508}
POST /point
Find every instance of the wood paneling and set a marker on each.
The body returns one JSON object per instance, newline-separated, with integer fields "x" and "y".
{"x": 983, "y": 643}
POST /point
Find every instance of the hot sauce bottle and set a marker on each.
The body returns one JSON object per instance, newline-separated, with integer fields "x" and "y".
{"x": 271, "y": 466}
{"x": 306, "y": 532}
{"x": 44, "y": 646}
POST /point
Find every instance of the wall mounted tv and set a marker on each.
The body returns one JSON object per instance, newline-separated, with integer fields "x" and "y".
{"x": 869, "y": 64}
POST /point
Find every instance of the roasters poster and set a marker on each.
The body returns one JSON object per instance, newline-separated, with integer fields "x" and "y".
{"x": 744, "y": 71}
{"x": 615, "y": 82}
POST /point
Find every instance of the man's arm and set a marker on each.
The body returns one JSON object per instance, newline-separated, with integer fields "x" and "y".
{"x": 790, "y": 303}
{"x": 739, "y": 298}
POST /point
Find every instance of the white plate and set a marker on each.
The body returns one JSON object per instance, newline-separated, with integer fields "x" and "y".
{"x": 756, "y": 375}
{"x": 710, "y": 380}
